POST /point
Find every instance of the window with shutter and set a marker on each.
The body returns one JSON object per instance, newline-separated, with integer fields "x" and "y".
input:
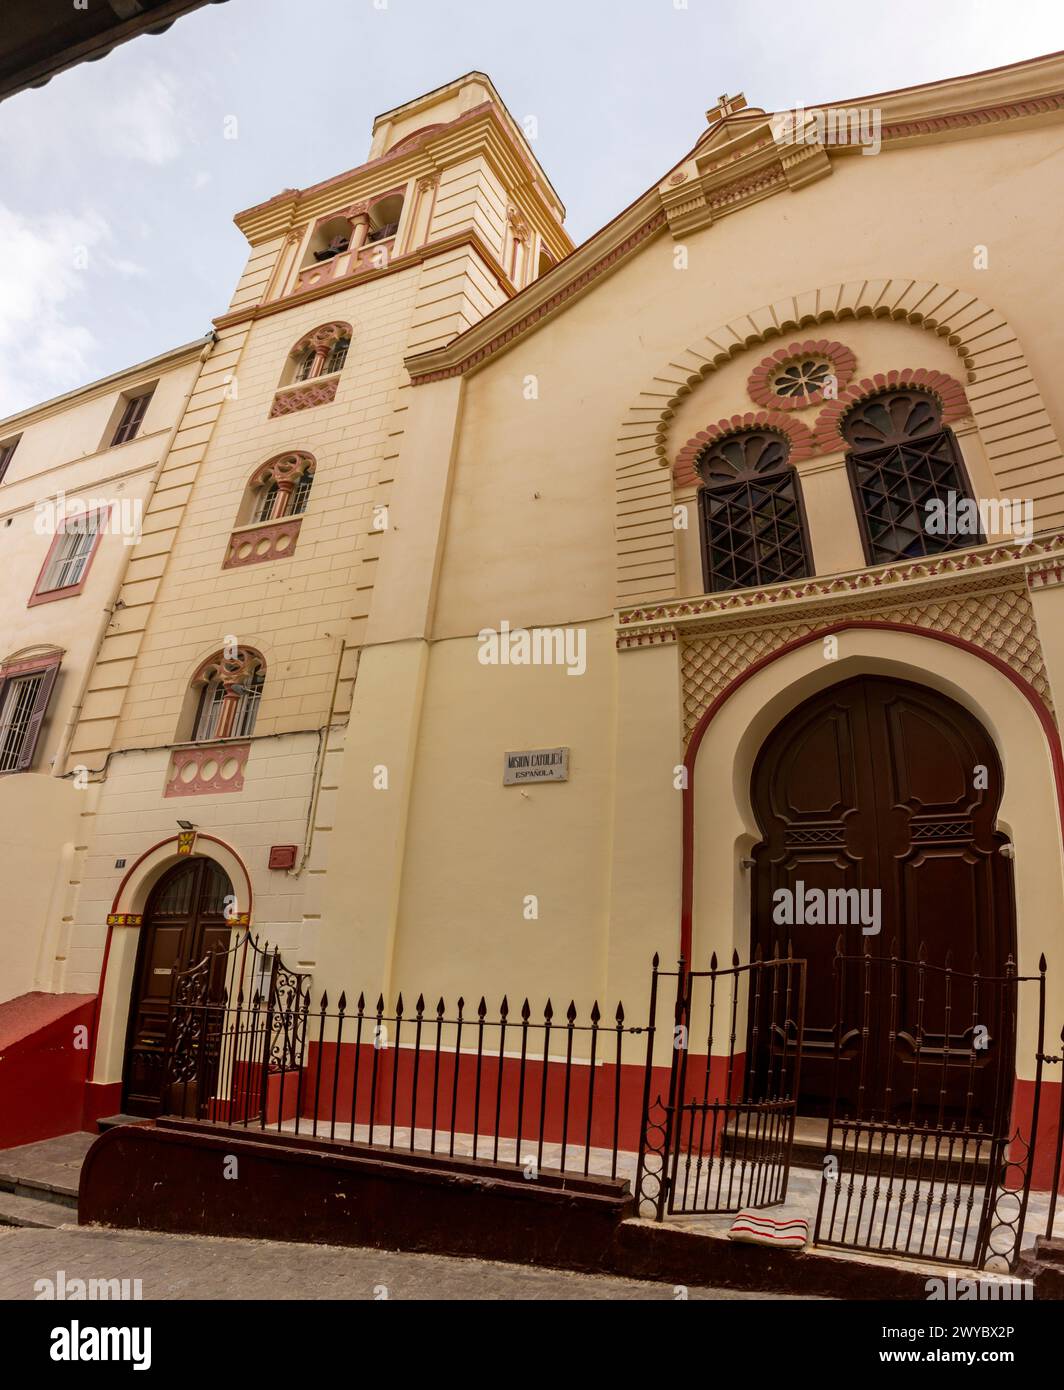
{"x": 7, "y": 449}
{"x": 23, "y": 704}
{"x": 68, "y": 560}
{"x": 132, "y": 416}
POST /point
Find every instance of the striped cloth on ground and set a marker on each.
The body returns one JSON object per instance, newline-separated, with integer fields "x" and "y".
{"x": 755, "y": 1229}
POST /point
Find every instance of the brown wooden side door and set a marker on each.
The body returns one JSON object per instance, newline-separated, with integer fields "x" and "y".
{"x": 184, "y": 921}
{"x": 885, "y": 785}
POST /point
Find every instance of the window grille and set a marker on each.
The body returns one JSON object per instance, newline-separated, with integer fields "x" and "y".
{"x": 750, "y": 513}
{"x": 16, "y": 708}
{"x": 248, "y": 693}
{"x": 265, "y": 503}
{"x": 901, "y": 460}
{"x": 301, "y": 492}
{"x": 337, "y": 355}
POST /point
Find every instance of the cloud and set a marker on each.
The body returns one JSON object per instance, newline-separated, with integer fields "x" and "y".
{"x": 140, "y": 118}
{"x": 44, "y": 264}
{"x": 144, "y": 123}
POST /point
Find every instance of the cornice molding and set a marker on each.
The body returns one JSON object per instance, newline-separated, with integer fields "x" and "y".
{"x": 367, "y": 274}
{"x": 738, "y": 162}
{"x": 480, "y": 129}
{"x": 1034, "y": 564}
{"x": 561, "y": 284}
{"x": 129, "y": 376}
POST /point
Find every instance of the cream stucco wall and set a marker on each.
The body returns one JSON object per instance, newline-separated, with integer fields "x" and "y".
{"x": 529, "y": 538}
{"x": 516, "y": 491}
{"x": 63, "y": 465}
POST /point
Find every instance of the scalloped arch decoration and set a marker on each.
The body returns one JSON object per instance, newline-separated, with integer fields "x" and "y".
{"x": 996, "y": 372}
{"x": 798, "y": 434}
{"x": 947, "y": 390}
{"x": 760, "y": 385}
{"x": 285, "y": 465}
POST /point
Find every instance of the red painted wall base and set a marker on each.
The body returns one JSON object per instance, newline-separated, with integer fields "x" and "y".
{"x": 44, "y": 1055}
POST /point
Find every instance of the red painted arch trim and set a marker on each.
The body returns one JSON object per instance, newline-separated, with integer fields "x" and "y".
{"x": 1036, "y": 702}
{"x": 170, "y": 839}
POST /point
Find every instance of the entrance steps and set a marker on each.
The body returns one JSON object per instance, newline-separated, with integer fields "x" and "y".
{"x": 113, "y": 1121}
{"x": 39, "y": 1182}
{"x": 810, "y": 1148}
{"x": 29, "y": 1211}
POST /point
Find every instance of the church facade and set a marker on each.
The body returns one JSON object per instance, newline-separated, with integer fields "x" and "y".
{"x": 507, "y": 613}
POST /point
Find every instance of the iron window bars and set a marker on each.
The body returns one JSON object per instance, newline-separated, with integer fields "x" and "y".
{"x": 901, "y": 461}
{"x": 751, "y": 518}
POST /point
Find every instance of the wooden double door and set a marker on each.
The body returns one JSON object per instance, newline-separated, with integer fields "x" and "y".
{"x": 184, "y": 921}
{"x": 892, "y": 789}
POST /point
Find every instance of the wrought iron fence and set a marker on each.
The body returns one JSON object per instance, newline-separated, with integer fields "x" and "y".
{"x": 719, "y": 1137}
{"x": 928, "y": 1154}
{"x": 930, "y": 1148}
{"x": 252, "y": 1047}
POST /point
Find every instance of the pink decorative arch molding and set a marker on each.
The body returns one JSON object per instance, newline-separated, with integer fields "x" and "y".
{"x": 827, "y": 429}
{"x": 799, "y": 436}
{"x": 760, "y": 382}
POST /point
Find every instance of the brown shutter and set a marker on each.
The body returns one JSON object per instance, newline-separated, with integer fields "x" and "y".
{"x": 33, "y": 728}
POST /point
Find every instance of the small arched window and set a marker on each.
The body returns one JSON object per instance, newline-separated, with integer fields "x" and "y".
{"x": 907, "y": 477}
{"x": 280, "y": 488}
{"x": 227, "y": 692}
{"x": 318, "y": 354}
{"x": 750, "y": 512}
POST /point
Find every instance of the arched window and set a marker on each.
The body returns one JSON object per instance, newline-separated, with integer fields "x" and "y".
{"x": 279, "y": 488}
{"x": 227, "y": 692}
{"x": 318, "y": 354}
{"x": 907, "y": 477}
{"x": 750, "y": 512}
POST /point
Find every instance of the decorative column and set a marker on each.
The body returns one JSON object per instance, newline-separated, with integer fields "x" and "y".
{"x": 319, "y": 342}
{"x": 520, "y": 234}
{"x": 232, "y": 670}
{"x": 358, "y": 215}
{"x": 422, "y": 220}
{"x": 285, "y": 472}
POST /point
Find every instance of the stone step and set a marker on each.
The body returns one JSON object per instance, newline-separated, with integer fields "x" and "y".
{"x": 113, "y": 1121}
{"x": 810, "y": 1146}
{"x": 30, "y": 1211}
{"x": 16, "y": 1186}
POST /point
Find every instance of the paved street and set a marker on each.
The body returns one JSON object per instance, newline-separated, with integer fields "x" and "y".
{"x": 176, "y": 1267}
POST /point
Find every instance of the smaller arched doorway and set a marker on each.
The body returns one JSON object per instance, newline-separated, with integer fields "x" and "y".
{"x": 880, "y": 796}
{"x": 185, "y": 918}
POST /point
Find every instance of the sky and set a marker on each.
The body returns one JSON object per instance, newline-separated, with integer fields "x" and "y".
{"x": 119, "y": 179}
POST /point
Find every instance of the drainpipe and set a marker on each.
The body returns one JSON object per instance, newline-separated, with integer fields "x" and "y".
{"x": 319, "y": 771}
{"x": 60, "y": 758}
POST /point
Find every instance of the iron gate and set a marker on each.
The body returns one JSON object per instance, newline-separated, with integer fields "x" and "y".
{"x": 720, "y": 1139}
{"x": 924, "y": 1157}
{"x": 233, "y": 1025}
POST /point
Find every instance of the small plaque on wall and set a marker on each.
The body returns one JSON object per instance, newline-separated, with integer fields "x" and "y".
{"x": 536, "y": 765}
{"x": 282, "y": 856}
